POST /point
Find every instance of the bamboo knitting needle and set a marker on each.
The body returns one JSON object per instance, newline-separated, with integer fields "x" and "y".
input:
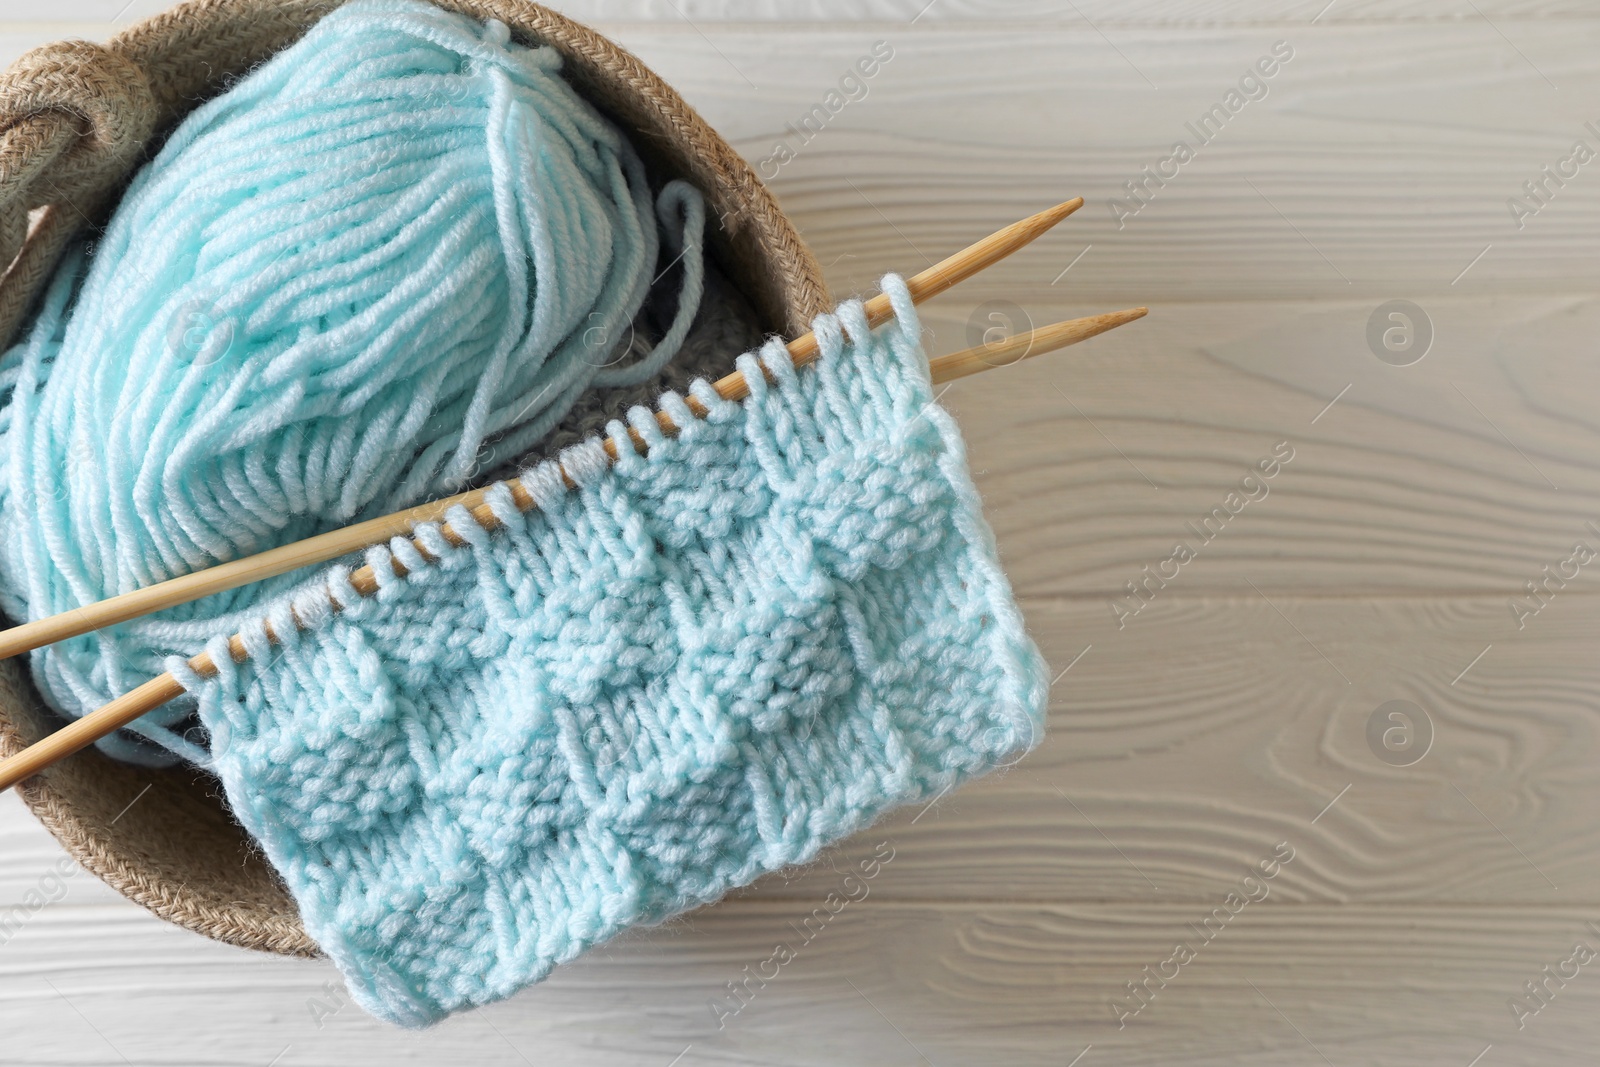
{"x": 152, "y": 694}
{"x": 342, "y": 542}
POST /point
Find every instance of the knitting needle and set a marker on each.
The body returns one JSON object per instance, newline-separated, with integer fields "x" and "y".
{"x": 152, "y": 694}
{"x": 330, "y": 546}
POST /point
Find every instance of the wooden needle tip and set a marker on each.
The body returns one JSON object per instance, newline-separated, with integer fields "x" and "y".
{"x": 1027, "y": 345}
{"x": 1047, "y": 218}
{"x": 1095, "y": 325}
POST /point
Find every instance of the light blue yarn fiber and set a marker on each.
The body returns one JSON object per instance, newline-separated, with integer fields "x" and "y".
{"x": 706, "y": 663}
{"x": 387, "y": 260}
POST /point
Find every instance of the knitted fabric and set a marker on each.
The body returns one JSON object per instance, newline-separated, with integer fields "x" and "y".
{"x": 705, "y": 663}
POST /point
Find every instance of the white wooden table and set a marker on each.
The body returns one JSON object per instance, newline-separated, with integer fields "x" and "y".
{"x": 1231, "y": 712}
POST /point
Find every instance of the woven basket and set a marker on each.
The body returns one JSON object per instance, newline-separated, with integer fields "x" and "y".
{"x": 77, "y": 118}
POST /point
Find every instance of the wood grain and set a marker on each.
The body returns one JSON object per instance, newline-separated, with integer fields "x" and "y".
{"x": 1372, "y": 168}
{"x": 1469, "y": 471}
{"x": 1228, "y": 713}
{"x": 883, "y": 983}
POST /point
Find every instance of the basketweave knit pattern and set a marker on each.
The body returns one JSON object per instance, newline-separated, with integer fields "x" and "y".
{"x": 706, "y": 663}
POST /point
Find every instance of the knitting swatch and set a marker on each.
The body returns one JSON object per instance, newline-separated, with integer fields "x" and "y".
{"x": 705, "y": 663}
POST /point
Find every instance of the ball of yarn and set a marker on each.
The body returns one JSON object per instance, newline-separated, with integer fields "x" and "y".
{"x": 384, "y": 262}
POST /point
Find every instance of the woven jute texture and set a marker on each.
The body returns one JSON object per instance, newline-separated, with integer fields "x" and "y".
{"x": 75, "y": 120}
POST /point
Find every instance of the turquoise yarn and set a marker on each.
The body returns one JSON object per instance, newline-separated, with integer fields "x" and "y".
{"x": 385, "y": 262}
{"x": 706, "y": 663}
